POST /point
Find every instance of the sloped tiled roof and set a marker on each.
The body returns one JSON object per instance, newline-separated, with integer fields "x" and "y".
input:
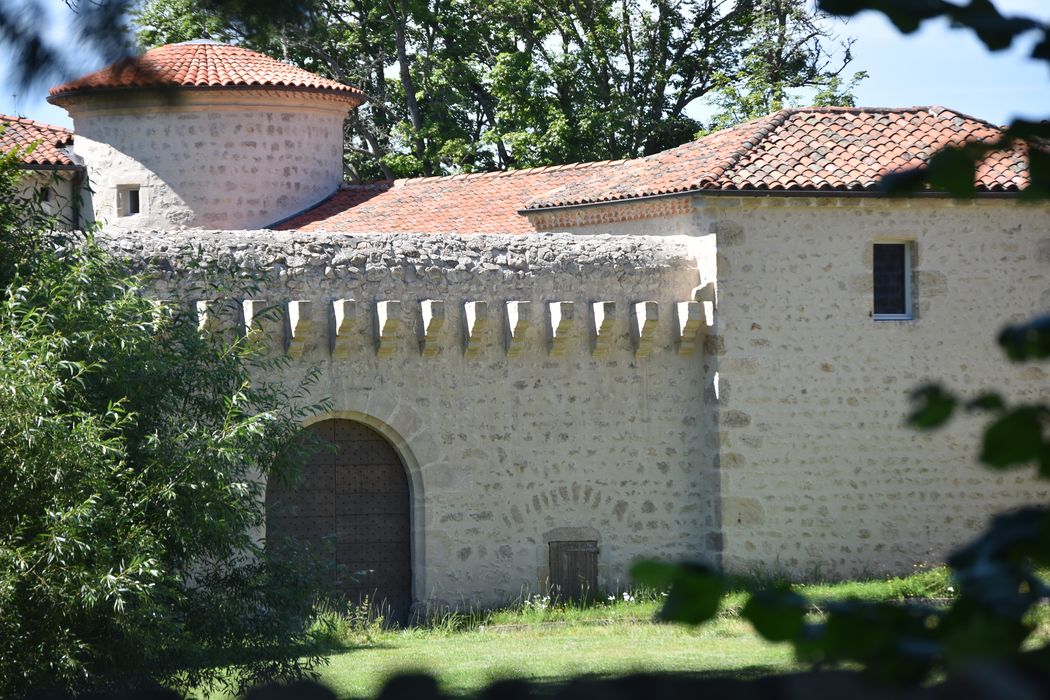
{"x": 676, "y": 170}
{"x": 851, "y": 149}
{"x": 806, "y": 150}
{"x": 52, "y": 143}
{"x": 818, "y": 150}
{"x": 476, "y": 203}
{"x": 203, "y": 64}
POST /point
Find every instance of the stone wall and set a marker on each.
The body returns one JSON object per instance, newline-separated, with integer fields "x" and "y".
{"x": 526, "y": 410}
{"x": 519, "y": 423}
{"x": 211, "y": 159}
{"x": 60, "y": 202}
{"x": 818, "y": 473}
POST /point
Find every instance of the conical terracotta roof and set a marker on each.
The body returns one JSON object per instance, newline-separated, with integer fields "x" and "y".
{"x": 203, "y": 64}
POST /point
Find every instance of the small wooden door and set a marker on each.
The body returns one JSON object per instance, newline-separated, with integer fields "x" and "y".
{"x": 573, "y": 570}
{"x": 352, "y": 505}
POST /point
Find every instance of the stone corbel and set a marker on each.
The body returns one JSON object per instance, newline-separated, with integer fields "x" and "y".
{"x": 433, "y": 313}
{"x": 604, "y": 321}
{"x": 690, "y": 321}
{"x": 476, "y": 314}
{"x": 344, "y": 312}
{"x": 562, "y": 315}
{"x": 261, "y": 321}
{"x": 519, "y": 318}
{"x": 646, "y": 315}
{"x": 300, "y": 326}
{"x": 207, "y": 316}
{"x": 388, "y": 321}
{"x": 705, "y": 295}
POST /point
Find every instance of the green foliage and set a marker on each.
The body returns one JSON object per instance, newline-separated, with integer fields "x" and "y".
{"x": 132, "y": 453}
{"x": 1027, "y": 341}
{"x": 694, "y": 591}
{"x": 788, "y": 59}
{"x": 995, "y": 30}
{"x": 479, "y": 84}
{"x": 935, "y": 407}
{"x": 20, "y": 217}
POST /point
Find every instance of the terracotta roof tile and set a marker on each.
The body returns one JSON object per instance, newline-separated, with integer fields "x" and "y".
{"x": 799, "y": 150}
{"x": 204, "y": 64}
{"x": 477, "y": 203}
{"x": 41, "y": 145}
{"x": 816, "y": 149}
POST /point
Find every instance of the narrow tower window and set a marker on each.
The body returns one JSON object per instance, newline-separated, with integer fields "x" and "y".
{"x": 892, "y": 272}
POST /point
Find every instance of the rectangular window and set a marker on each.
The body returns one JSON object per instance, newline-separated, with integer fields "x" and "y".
{"x": 128, "y": 201}
{"x": 892, "y": 271}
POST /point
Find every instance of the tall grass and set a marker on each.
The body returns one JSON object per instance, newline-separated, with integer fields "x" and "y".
{"x": 364, "y": 624}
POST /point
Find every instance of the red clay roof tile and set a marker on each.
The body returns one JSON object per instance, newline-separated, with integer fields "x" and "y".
{"x": 799, "y": 150}
{"x": 197, "y": 64}
{"x": 816, "y": 149}
{"x": 478, "y": 203}
{"x": 41, "y": 145}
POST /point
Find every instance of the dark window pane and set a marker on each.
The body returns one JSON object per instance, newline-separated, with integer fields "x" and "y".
{"x": 890, "y": 281}
{"x": 133, "y": 201}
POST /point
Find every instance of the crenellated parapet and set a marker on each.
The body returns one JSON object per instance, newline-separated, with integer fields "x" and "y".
{"x": 322, "y": 297}
{"x": 346, "y": 328}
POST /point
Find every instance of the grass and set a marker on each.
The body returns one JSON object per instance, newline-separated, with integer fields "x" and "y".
{"x": 464, "y": 662}
{"x": 541, "y": 642}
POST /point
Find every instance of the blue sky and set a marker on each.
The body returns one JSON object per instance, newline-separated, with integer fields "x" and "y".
{"x": 936, "y": 66}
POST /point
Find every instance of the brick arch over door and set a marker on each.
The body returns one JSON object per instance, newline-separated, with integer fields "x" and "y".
{"x": 351, "y": 506}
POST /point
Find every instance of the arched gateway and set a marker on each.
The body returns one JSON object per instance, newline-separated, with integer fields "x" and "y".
{"x": 352, "y": 506}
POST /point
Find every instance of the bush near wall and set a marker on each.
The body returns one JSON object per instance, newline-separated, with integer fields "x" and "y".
{"x": 131, "y": 447}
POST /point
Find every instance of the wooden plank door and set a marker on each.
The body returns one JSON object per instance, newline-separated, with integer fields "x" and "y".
{"x": 352, "y": 506}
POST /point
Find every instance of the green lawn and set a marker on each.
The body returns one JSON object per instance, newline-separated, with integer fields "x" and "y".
{"x": 467, "y": 661}
{"x": 537, "y": 641}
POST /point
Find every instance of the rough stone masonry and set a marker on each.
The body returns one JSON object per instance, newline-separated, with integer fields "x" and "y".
{"x": 559, "y": 398}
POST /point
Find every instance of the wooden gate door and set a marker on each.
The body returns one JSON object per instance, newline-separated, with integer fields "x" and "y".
{"x": 352, "y": 505}
{"x": 573, "y": 570}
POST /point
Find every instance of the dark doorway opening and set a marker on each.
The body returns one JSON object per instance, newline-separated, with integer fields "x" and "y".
{"x": 351, "y": 507}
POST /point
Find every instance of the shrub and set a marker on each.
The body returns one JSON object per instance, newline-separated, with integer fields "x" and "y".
{"x": 132, "y": 452}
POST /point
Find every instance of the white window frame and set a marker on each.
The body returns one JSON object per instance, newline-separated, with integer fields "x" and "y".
{"x": 909, "y": 251}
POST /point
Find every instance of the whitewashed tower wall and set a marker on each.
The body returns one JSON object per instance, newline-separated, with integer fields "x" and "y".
{"x": 210, "y": 158}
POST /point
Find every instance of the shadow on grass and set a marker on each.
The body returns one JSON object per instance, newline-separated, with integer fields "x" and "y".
{"x": 343, "y": 648}
{"x": 555, "y": 684}
{"x": 743, "y": 682}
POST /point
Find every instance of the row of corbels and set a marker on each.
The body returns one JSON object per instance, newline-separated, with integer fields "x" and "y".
{"x": 561, "y": 317}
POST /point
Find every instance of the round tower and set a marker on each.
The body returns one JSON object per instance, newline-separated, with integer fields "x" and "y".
{"x": 204, "y": 134}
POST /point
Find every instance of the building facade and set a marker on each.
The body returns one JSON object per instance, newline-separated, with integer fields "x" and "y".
{"x": 541, "y": 376}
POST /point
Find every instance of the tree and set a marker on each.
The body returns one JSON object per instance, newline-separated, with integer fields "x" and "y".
{"x": 787, "y": 51}
{"x": 479, "y": 85}
{"x": 997, "y": 574}
{"x": 132, "y": 449}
